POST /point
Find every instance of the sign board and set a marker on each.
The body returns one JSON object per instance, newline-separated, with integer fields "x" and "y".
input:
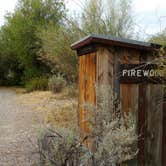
{"x": 139, "y": 73}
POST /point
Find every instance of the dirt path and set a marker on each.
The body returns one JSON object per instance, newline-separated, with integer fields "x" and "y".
{"x": 19, "y": 126}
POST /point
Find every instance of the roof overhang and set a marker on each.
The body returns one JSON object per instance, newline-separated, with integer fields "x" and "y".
{"x": 114, "y": 41}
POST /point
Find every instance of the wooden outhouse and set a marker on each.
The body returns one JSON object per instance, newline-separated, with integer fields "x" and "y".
{"x": 129, "y": 66}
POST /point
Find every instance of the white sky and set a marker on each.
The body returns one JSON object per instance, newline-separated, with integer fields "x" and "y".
{"x": 6, "y": 6}
{"x": 150, "y": 15}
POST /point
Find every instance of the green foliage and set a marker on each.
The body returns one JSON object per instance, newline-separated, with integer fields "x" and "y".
{"x": 112, "y": 17}
{"x": 159, "y": 38}
{"x": 56, "y": 83}
{"x": 36, "y": 38}
{"x": 40, "y": 83}
{"x": 92, "y": 20}
{"x": 9, "y": 71}
{"x": 19, "y": 35}
{"x": 56, "y": 51}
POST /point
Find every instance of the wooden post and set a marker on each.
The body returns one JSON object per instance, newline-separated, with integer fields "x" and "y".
{"x": 142, "y": 103}
{"x": 142, "y": 109}
{"x": 164, "y": 131}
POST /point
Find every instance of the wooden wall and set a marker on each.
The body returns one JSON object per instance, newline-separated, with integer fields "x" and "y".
{"x": 146, "y": 101}
{"x": 102, "y": 67}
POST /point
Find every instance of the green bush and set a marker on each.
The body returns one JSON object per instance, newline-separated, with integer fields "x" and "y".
{"x": 40, "y": 83}
{"x": 56, "y": 83}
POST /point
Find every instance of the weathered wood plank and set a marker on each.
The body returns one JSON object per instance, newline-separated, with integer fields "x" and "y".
{"x": 102, "y": 66}
{"x": 129, "y": 92}
{"x": 87, "y": 78}
{"x": 154, "y": 126}
{"x": 81, "y": 98}
{"x": 142, "y": 106}
{"x": 90, "y": 98}
{"x": 164, "y": 130}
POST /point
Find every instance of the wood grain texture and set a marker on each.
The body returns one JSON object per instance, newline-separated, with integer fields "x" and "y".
{"x": 102, "y": 66}
{"x": 81, "y": 97}
{"x": 142, "y": 106}
{"x": 154, "y": 120}
{"x": 154, "y": 125}
{"x": 164, "y": 130}
{"x": 129, "y": 92}
{"x": 87, "y": 79}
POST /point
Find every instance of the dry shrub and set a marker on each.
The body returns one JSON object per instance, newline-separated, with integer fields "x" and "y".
{"x": 56, "y": 83}
{"x": 63, "y": 117}
{"x": 71, "y": 91}
{"x": 61, "y": 148}
{"x": 114, "y": 134}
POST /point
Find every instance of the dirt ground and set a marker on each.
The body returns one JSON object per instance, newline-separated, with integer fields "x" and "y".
{"x": 22, "y": 117}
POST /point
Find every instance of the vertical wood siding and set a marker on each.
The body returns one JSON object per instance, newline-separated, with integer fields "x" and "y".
{"x": 164, "y": 131}
{"x": 129, "y": 92}
{"x": 153, "y": 139}
{"x": 98, "y": 68}
{"x": 154, "y": 120}
{"x": 87, "y": 79}
{"x": 104, "y": 67}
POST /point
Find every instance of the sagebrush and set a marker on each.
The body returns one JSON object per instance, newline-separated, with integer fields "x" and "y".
{"x": 113, "y": 134}
{"x": 56, "y": 83}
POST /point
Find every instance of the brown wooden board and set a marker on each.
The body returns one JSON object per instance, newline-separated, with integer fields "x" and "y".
{"x": 129, "y": 92}
{"x": 103, "y": 56}
{"x": 142, "y": 106}
{"x": 154, "y": 112}
{"x": 81, "y": 97}
{"x": 164, "y": 131}
{"x": 87, "y": 78}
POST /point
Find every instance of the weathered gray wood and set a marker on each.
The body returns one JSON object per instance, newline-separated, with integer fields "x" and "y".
{"x": 154, "y": 126}
{"x": 164, "y": 129}
{"x": 102, "y": 68}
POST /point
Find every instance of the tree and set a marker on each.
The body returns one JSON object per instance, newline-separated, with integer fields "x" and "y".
{"x": 22, "y": 28}
{"x": 114, "y": 17}
{"x": 56, "y": 51}
{"x": 159, "y": 38}
{"x": 92, "y": 17}
{"x": 10, "y": 70}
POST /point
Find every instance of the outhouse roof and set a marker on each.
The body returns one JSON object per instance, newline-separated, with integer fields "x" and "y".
{"x": 113, "y": 41}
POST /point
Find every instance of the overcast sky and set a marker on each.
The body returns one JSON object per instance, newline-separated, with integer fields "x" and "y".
{"x": 150, "y": 15}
